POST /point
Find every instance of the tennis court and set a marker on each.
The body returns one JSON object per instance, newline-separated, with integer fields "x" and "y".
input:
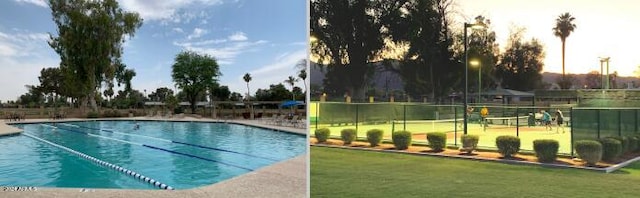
{"x": 496, "y": 126}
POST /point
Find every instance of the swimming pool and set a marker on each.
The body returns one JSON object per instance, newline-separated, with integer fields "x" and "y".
{"x": 182, "y": 155}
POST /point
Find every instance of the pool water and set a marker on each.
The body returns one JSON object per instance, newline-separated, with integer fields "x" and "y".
{"x": 182, "y": 155}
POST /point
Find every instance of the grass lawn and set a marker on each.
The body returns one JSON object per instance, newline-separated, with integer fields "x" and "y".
{"x": 349, "y": 173}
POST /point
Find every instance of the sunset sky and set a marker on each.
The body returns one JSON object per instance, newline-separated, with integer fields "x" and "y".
{"x": 604, "y": 28}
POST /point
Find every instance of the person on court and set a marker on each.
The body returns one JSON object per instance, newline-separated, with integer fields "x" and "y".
{"x": 484, "y": 112}
{"x": 559, "y": 120}
{"x": 546, "y": 120}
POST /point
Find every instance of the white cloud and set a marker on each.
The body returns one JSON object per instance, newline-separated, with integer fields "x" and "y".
{"x": 197, "y": 33}
{"x": 238, "y": 36}
{"x": 164, "y": 10}
{"x": 276, "y": 72}
{"x": 41, "y": 3}
{"x": 179, "y": 30}
{"x": 22, "y": 56}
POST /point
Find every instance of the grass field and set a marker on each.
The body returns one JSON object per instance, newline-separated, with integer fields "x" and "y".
{"x": 349, "y": 173}
{"x": 487, "y": 138}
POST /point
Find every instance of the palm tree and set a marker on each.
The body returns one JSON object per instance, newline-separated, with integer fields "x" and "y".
{"x": 247, "y": 78}
{"x": 292, "y": 80}
{"x": 564, "y": 27}
{"x": 302, "y": 73}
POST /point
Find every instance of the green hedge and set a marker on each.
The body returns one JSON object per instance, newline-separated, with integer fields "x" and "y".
{"x": 589, "y": 150}
{"x": 624, "y": 142}
{"x": 437, "y": 141}
{"x": 322, "y": 134}
{"x": 348, "y": 135}
{"x": 634, "y": 143}
{"x": 611, "y": 149}
{"x": 546, "y": 150}
{"x": 469, "y": 142}
{"x": 374, "y": 136}
{"x": 508, "y": 145}
{"x": 401, "y": 139}
{"x": 93, "y": 114}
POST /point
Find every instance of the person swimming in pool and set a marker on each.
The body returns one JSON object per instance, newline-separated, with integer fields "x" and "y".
{"x": 136, "y": 127}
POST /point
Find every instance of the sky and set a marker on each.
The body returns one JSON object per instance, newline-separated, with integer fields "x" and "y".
{"x": 603, "y": 29}
{"x": 263, "y": 38}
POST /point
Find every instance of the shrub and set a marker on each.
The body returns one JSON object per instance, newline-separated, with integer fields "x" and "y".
{"x": 178, "y": 110}
{"x": 93, "y": 114}
{"x": 546, "y": 150}
{"x": 508, "y": 145}
{"x": 469, "y": 142}
{"x": 633, "y": 144}
{"x": 322, "y": 134}
{"x": 374, "y": 136}
{"x": 111, "y": 113}
{"x": 589, "y": 151}
{"x": 401, "y": 139}
{"x": 611, "y": 148}
{"x": 624, "y": 142}
{"x": 348, "y": 135}
{"x": 437, "y": 140}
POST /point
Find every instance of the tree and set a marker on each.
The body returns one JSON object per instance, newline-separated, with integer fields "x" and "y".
{"x": 274, "y": 93}
{"x": 521, "y": 64}
{"x": 32, "y": 98}
{"x": 593, "y": 80}
{"x": 568, "y": 81}
{"x": 161, "y": 94}
{"x": 194, "y": 74}
{"x": 428, "y": 66}
{"x": 348, "y": 36}
{"x": 302, "y": 72}
{"x": 247, "y": 78}
{"x": 89, "y": 42}
{"x": 564, "y": 27}
{"x": 50, "y": 82}
{"x": 291, "y": 81}
{"x": 221, "y": 93}
{"x": 235, "y": 96}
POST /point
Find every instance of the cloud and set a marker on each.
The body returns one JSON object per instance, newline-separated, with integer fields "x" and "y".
{"x": 41, "y": 3}
{"x": 22, "y": 56}
{"x": 197, "y": 33}
{"x": 276, "y": 72}
{"x": 224, "y": 51}
{"x": 179, "y": 30}
{"x": 166, "y": 10}
{"x": 238, "y": 36}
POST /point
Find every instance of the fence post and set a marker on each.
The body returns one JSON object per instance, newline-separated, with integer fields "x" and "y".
{"x": 455, "y": 126}
{"x": 619, "y": 123}
{"x": 598, "y": 121}
{"x": 317, "y": 117}
{"x": 517, "y": 122}
{"x": 636, "y": 121}
{"x": 571, "y": 128}
{"x": 356, "y": 120}
{"x": 404, "y": 118}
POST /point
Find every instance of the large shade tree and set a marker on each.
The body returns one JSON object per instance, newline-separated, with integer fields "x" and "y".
{"x": 291, "y": 81}
{"x": 89, "y": 41}
{"x": 195, "y": 74}
{"x": 348, "y": 36}
{"x": 564, "y": 27}
{"x": 521, "y": 64}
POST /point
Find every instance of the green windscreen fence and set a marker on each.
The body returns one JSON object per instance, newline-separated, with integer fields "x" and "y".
{"x": 524, "y": 122}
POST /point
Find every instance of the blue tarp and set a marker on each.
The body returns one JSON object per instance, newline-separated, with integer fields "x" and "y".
{"x": 291, "y": 103}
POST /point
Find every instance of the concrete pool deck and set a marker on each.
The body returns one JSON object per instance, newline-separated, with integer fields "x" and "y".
{"x": 8, "y": 129}
{"x": 283, "y": 179}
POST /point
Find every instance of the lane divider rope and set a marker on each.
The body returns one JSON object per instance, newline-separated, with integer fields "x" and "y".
{"x": 157, "y": 148}
{"x": 106, "y": 164}
{"x": 178, "y": 142}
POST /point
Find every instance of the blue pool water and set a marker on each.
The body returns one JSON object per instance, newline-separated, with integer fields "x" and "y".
{"x": 180, "y": 154}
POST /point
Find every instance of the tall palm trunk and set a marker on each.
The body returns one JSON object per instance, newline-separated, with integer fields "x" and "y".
{"x": 563, "y": 42}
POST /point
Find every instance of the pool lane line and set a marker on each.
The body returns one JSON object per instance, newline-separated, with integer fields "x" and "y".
{"x": 177, "y": 142}
{"x": 158, "y": 148}
{"x": 106, "y": 164}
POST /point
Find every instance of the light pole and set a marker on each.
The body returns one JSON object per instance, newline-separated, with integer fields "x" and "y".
{"x": 478, "y": 25}
{"x": 476, "y": 63}
{"x": 602, "y": 79}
